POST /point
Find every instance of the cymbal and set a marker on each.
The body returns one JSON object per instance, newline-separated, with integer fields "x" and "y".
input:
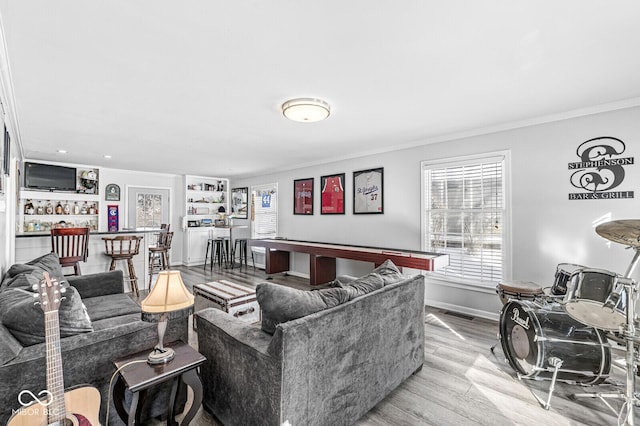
{"x": 625, "y": 232}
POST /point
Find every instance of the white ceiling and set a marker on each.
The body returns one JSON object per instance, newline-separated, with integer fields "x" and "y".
{"x": 195, "y": 87}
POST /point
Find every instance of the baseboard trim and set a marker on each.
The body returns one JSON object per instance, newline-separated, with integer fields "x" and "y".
{"x": 465, "y": 310}
{"x": 298, "y": 274}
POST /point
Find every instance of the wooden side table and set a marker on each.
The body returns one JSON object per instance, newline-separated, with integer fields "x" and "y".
{"x": 138, "y": 377}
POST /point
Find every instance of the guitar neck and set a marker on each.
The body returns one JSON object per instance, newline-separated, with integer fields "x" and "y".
{"x": 55, "y": 382}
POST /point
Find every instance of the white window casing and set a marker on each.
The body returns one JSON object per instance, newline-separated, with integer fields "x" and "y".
{"x": 466, "y": 214}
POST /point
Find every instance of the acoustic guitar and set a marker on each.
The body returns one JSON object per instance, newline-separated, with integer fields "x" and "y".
{"x": 79, "y": 406}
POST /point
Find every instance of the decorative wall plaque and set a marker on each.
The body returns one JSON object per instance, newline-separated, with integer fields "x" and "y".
{"x": 112, "y": 192}
{"x": 601, "y": 169}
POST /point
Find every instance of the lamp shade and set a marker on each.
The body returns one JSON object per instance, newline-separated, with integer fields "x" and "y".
{"x": 168, "y": 294}
{"x": 306, "y": 110}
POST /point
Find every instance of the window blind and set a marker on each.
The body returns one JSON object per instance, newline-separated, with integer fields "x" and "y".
{"x": 465, "y": 211}
{"x": 265, "y": 212}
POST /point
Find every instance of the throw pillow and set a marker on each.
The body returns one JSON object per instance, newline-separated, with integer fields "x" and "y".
{"x": 366, "y": 284}
{"x": 389, "y": 272}
{"x": 25, "y": 319}
{"x": 30, "y": 273}
{"x": 342, "y": 281}
{"x": 281, "y": 304}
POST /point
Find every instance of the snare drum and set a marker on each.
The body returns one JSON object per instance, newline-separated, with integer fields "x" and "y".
{"x": 521, "y": 290}
{"x": 532, "y": 332}
{"x": 587, "y": 292}
{"x": 563, "y": 274}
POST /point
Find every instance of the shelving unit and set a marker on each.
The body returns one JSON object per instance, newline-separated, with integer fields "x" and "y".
{"x": 52, "y": 209}
{"x": 205, "y": 197}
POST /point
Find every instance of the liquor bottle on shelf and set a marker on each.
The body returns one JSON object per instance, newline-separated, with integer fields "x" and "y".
{"x": 28, "y": 208}
{"x": 66, "y": 209}
{"x": 49, "y": 208}
{"x": 59, "y": 208}
{"x": 76, "y": 208}
{"x": 84, "y": 209}
{"x": 40, "y": 208}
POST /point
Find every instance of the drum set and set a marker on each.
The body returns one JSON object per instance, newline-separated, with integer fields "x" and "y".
{"x": 566, "y": 332}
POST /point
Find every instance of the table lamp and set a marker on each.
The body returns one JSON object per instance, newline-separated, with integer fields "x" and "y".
{"x": 168, "y": 296}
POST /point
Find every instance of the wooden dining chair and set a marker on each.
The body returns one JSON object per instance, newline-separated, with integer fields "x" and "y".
{"x": 71, "y": 245}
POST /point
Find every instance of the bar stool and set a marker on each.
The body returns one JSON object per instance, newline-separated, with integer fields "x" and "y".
{"x": 219, "y": 248}
{"x": 159, "y": 254}
{"x": 124, "y": 247}
{"x": 71, "y": 245}
{"x": 241, "y": 245}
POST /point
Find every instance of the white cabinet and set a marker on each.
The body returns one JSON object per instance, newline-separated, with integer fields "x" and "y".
{"x": 196, "y": 243}
{"x": 42, "y": 210}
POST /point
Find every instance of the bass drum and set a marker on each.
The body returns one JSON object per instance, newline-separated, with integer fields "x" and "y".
{"x": 531, "y": 333}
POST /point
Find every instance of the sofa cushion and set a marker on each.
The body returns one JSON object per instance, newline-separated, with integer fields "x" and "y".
{"x": 114, "y": 322}
{"x": 25, "y": 319}
{"x": 281, "y": 304}
{"x": 389, "y": 272}
{"x": 30, "y": 273}
{"x": 342, "y": 280}
{"x": 113, "y": 305}
{"x": 365, "y": 284}
{"x": 9, "y": 346}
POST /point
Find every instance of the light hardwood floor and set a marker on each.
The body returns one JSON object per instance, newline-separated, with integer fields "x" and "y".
{"x": 462, "y": 382}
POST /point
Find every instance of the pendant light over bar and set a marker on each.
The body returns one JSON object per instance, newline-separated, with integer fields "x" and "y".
{"x": 306, "y": 110}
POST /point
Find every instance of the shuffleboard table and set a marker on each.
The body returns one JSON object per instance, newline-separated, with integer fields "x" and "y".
{"x": 322, "y": 257}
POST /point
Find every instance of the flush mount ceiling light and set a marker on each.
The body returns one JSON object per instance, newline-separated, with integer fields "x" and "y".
{"x": 306, "y": 110}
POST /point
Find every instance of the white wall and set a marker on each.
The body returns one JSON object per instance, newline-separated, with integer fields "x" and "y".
{"x": 547, "y": 228}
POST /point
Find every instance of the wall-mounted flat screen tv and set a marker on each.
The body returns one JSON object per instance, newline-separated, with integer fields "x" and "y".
{"x": 49, "y": 177}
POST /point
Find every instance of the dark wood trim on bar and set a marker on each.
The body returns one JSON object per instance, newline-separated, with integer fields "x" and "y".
{"x": 322, "y": 257}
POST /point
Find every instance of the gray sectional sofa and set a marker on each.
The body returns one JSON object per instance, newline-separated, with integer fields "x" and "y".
{"x": 112, "y": 330}
{"x": 321, "y": 357}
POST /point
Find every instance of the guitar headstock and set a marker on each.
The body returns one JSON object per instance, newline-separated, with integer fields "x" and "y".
{"x": 49, "y": 293}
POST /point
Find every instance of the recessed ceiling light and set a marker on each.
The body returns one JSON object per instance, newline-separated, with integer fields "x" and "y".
{"x": 107, "y": 156}
{"x": 306, "y": 110}
{"x": 62, "y": 151}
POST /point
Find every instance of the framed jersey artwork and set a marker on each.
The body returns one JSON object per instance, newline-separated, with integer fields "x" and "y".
{"x": 303, "y": 196}
{"x": 368, "y": 195}
{"x": 332, "y": 198}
